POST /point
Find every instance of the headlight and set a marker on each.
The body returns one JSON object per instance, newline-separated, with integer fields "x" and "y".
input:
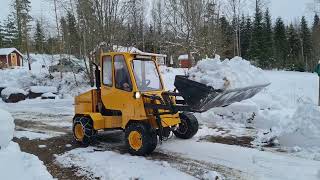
{"x": 137, "y": 95}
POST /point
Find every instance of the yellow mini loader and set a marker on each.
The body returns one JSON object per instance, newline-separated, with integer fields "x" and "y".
{"x": 130, "y": 95}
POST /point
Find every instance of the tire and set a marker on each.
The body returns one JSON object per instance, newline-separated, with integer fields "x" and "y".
{"x": 188, "y": 127}
{"x": 83, "y": 130}
{"x": 141, "y": 138}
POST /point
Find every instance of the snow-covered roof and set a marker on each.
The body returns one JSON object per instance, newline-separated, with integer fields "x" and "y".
{"x": 183, "y": 57}
{"x": 7, "y": 51}
{"x": 136, "y": 51}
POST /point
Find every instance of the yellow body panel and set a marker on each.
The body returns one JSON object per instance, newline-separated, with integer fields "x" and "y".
{"x": 132, "y": 109}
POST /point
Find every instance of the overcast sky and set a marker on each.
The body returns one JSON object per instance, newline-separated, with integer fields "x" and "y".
{"x": 289, "y": 10}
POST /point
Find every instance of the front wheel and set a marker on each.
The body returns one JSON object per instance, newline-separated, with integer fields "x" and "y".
{"x": 141, "y": 139}
{"x": 83, "y": 130}
{"x": 188, "y": 127}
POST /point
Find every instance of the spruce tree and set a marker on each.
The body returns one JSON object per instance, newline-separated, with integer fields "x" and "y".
{"x": 74, "y": 37}
{"x": 246, "y": 31}
{"x": 227, "y": 34}
{"x": 1, "y": 35}
{"x": 65, "y": 34}
{"x": 305, "y": 36}
{"x": 39, "y": 38}
{"x": 257, "y": 43}
{"x": 10, "y": 33}
{"x": 316, "y": 41}
{"x": 280, "y": 44}
{"x": 267, "y": 54}
{"x": 294, "y": 50}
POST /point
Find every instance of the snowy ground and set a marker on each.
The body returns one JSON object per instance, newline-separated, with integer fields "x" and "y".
{"x": 274, "y": 135}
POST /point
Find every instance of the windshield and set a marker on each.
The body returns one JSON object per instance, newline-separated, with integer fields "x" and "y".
{"x": 146, "y": 75}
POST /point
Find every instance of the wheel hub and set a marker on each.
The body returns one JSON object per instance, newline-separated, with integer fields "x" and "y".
{"x": 79, "y": 132}
{"x": 135, "y": 140}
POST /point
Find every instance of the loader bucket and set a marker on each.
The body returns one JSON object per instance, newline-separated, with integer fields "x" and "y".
{"x": 200, "y": 97}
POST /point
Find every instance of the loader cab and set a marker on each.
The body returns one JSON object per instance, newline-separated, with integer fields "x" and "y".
{"x": 130, "y": 72}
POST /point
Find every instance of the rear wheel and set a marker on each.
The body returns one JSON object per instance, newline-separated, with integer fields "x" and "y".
{"x": 188, "y": 127}
{"x": 83, "y": 130}
{"x": 141, "y": 139}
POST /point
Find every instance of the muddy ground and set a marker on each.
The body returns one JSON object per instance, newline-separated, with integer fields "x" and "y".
{"x": 111, "y": 141}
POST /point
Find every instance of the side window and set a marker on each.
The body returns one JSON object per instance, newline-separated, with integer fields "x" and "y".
{"x": 122, "y": 77}
{"x": 107, "y": 70}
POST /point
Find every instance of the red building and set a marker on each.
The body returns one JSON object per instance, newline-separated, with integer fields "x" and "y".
{"x": 10, "y": 57}
{"x": 184, "y": 61}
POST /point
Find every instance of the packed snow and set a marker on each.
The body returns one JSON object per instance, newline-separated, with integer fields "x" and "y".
{"x": 15, "y": 164}
{"x": 34, "y": 135}
{"x": 5, "y": 93}
{"x": 253, "y": 163}
{"x": 6, "y": 128}
{"x": 227, "y": 74}
{"x": 112, "y": 165}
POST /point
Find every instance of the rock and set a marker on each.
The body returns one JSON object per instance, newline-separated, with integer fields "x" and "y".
{"x": 14, "y": 98}
{"x": 13, "y": 95}
{"x": 1, "y": 88}
{"x": 48, "y": 96}
{"x": 38, "y": 91}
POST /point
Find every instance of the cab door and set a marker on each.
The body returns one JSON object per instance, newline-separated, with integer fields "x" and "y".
{"x": 117, "y": 95}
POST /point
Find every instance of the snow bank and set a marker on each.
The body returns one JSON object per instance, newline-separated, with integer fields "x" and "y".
{"x": 15, "y": 164}
{"x": 302, "y": 129}
{"x": 43, "y": 89}
{"x": 227, "y": 74}
{"x": 6, "y": 129}
{"x": 169, "y": 74}
{"x": 9, "y": 90}
{"x": 111, "y": 165}
{"x": 22, "y": 78}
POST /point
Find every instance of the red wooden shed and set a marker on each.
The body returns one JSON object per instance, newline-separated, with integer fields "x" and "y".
{"x": 11, "y": 57}
{"x": 184, "y": 61}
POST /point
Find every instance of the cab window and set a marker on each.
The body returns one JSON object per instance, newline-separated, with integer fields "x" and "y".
{"x": 107, "y": 71}
{"x": 122, "y": 77}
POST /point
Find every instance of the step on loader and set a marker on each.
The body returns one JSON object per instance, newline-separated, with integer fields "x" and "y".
{"x": 130, "y": 95}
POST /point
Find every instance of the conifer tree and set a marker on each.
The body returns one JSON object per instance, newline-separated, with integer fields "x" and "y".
{"x": 316, "y": 40}
{"x": 1, "y": 35}
{"x": 257, "y": 43}
{"x": 280, "y": 44}
{"x": 73, "y": 33}
{"x": 246, "y": 31}
{"x": 267, "y": 54}
{"x": 10, "y": 32}
{"x": 39, "y": 38}
{"x": 305, "y": 37}
{"x": 294, "y": 49}
{"x": 227, "y": 35}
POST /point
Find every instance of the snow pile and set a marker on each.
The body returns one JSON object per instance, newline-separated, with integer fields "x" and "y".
{"x": 168, "y": 74}
{"x": 15, "y": 164}
{"x": 43, "y": 89}
{"x": 111, "y": 165}
{"x": 69, "y": 85}
{"x": 6, "y": 129}
{"x": 212, "y": 175}
{"x": 9, "y": 90}
{"x": 227, "y": 74}
{"x": 302, "y": 129}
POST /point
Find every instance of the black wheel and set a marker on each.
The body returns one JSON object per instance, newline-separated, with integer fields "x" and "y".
{"x": 141, "y": 139}
{"x": 83, "y": 130}
{"x": 188, "y": 127}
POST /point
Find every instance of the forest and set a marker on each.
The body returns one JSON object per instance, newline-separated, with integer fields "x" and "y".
{"x": 199, "y": 28}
